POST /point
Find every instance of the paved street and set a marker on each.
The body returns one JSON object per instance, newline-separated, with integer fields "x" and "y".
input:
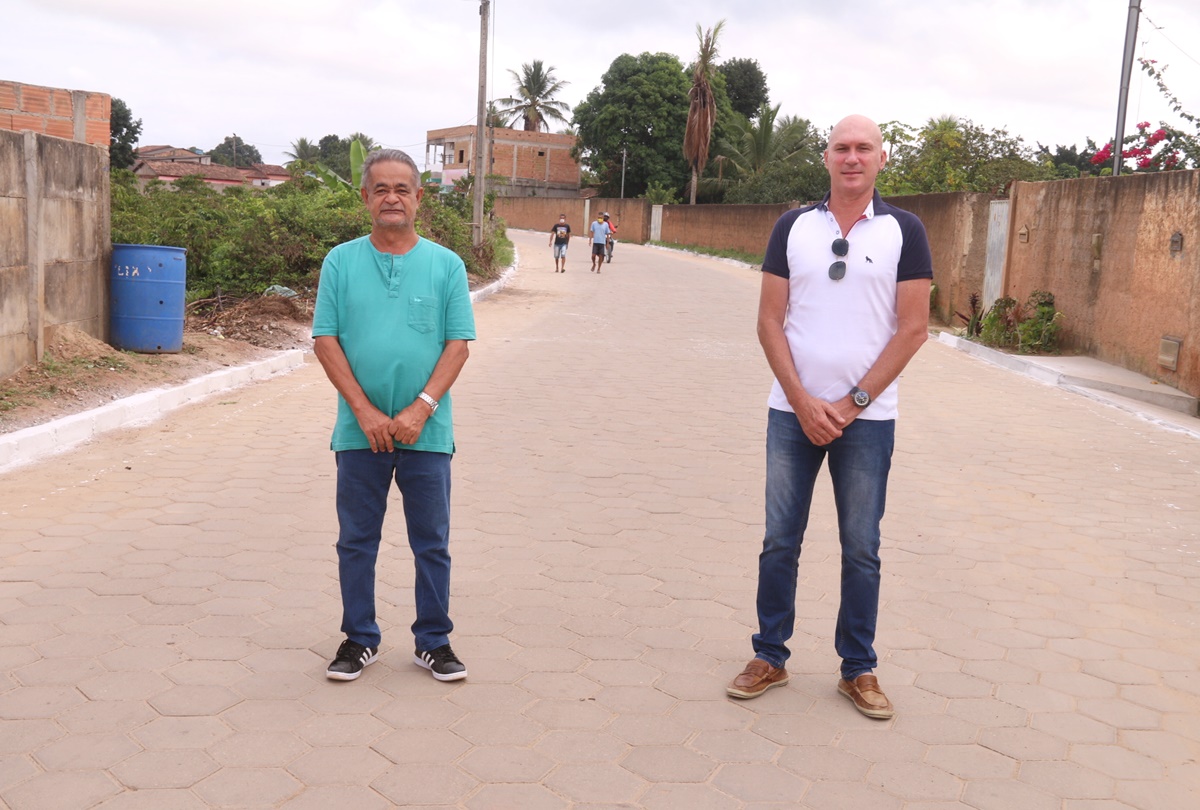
{"x": 168, "y": 595}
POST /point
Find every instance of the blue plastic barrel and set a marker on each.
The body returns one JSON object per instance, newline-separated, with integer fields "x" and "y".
{"x": 149, "y": 285}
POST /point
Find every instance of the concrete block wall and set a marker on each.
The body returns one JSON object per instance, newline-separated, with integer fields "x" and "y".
{"x": 55, "y": 243}
{"x": 1103, "y": 246}
{"x": 74, "y": 115}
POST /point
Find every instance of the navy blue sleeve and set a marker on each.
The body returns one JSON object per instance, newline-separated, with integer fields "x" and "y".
{"x": 916, "y": 261}
{"x": 775, "y": 261}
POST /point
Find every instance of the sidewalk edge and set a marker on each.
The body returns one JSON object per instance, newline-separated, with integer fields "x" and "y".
{"x": 60, "y": 435}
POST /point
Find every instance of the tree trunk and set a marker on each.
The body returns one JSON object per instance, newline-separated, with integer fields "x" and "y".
{"x": 695, "y": 182}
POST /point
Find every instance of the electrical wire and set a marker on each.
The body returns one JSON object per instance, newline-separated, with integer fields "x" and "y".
{"x": 1158, "y": 29}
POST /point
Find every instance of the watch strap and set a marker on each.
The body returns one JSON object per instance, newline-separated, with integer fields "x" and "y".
{"x": 430, "y": 401}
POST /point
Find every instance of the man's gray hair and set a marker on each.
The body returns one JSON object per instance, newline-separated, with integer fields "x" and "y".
{"x": 386, "y": 156}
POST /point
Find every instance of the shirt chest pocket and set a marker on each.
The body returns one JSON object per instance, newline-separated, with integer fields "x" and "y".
{"x": 423, "y": 313}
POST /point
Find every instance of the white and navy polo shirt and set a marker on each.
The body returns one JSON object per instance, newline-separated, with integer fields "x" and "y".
{"x": 838, "y": 329}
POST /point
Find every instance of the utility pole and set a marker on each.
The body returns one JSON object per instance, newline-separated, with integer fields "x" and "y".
{"x": 480, "y": 145}
{"x": 622, "y": 172}
{"x": 1131, "y": 27}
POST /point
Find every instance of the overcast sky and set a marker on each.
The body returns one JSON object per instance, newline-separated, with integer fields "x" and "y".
{"x": 195, "y": 71}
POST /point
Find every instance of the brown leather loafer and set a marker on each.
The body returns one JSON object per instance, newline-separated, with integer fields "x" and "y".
{"x": 867, "y": 697}
{"x": 756, "y": 678}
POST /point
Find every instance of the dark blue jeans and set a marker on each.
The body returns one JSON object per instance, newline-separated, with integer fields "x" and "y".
{"x": 859, "y": 462}
{"x": 363, "y": 482}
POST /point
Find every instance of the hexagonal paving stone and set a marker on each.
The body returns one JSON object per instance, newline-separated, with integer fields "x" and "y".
{"x": 248, "y": 787}
{"x": 595, "y": 783}
{"x": 339, "y": 766}
{"x": 669, "y": 764}
{"x": 506, "y": 764}
{"x": 430, "y": 784}
{"x": 405, "y": 746}
{"x": 758, "y": 782}
{"x": 164, "y": 769}
{"x": 266, "y": 749}
{"x": 191, "y": 700}
{"x": 84, "y": 752}
{"x": 60, "y": 789}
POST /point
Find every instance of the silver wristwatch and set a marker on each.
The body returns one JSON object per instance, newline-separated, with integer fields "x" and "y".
{"x": 430, "y": 401}
{"x": 861, "y": 398}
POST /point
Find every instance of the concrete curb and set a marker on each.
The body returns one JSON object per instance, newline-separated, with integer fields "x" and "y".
{"x": 500, "y": 283}
{"x": 1096, "y": 391}
{"x": 61, "y": 435}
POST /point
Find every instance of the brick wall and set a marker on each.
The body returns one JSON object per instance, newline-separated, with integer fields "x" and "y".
{"x": 75, "y": 115}
{"x": 739, "y": 227}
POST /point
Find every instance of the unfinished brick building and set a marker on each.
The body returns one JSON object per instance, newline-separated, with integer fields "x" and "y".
{"x": 531, "y": 163}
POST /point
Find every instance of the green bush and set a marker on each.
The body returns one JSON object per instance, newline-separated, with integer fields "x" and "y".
{"x": 1030, "y": 327}
{"x": 243, "y": 240}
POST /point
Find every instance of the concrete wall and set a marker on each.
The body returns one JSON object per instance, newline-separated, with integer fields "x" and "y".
{"x": 632, "y": 216}
{"x": 1102, "y": 245}
{"x": 55, "y": 243}
{"x": 957, "y": 225}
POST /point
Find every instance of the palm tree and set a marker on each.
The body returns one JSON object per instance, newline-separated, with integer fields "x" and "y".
{"x": 766, "y": 140}
{"x": 368, "y": 143}
{"x": 495, "y": 118}
{"x": 534, "y": 102}
{"x": 304, "y": 151}
{"x": 702, "y": 110}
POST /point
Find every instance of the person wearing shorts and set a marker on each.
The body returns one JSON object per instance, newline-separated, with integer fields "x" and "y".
{"x": 560, "y": 238}
{"x": 600, "y": 232}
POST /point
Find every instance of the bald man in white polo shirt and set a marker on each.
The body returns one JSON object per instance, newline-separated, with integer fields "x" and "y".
{"x": 844, "y": 306}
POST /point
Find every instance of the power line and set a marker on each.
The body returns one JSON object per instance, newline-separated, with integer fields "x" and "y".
{"x": 1159, "y": 30}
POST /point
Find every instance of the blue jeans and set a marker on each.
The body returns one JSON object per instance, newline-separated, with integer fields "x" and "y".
{"x": 859, "y": 461}
{"x": 363, "y": 481}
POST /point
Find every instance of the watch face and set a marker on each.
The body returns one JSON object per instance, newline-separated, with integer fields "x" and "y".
{"x": 862, "y": 399}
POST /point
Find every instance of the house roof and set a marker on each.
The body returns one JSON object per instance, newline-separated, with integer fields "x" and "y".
{"x": 171, "y": 169}
{"x": 165, "y": 153}
{"x": 265, "y": 170}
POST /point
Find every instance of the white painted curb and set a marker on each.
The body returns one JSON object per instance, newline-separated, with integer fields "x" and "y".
{"x": 41, "y": 441}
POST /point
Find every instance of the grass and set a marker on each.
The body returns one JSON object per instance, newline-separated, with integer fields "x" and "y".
{"x": 721, "y": 253}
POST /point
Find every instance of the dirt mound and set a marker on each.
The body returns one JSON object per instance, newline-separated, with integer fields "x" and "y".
{"x": 70, "y": 344}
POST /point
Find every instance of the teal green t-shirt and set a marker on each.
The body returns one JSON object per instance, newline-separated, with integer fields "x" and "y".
{"x": 392, "y": 316}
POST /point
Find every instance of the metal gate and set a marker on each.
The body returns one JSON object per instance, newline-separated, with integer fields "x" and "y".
{"x": 997, "y": 249}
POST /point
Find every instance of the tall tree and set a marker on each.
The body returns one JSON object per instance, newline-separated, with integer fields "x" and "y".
{"x": 335, "y": 155}
{"x": 304, "y": 150}
{"x": 534, "y": 102}
{"x": 640, "y": 106}
{"x": 767, "y": 139}
{"x": 702, "y": 106}
{"x": 124, "y": 136}
{"x": 233, "y": 151}
{"x": 953, "y": 154}
{"x": 368, "y": 143}
{"x": 746, "y": 84}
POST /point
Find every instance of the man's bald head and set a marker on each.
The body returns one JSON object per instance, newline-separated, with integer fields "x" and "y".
{"x": 858, "y": 124}
{"x": 854, "y": 158}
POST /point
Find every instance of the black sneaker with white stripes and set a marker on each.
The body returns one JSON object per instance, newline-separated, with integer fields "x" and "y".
{"x": 350, "y": 661}
{"x": 442, "y": 663}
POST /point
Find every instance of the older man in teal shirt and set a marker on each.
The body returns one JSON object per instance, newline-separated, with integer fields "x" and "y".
{"x": 391, "y": 326}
